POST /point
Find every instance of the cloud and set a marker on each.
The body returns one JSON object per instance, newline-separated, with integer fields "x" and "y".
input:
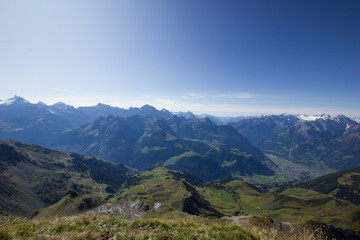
{"x": 241, "y": 95}
{"x": 241, "y": 110}
{"x": 193, "y": 95}
{"x": 60, "y": 89}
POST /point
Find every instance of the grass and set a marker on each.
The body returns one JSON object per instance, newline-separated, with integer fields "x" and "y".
{"x": 349, "y": 179}
{"x": 160, "y": 186}
{"x": 222, "y": 195}
{"x": 173, "y": 160}
{"x": 228, "y": 198}
{"x": 105, "y": 227}
{"x": 221, "y": 200}
{"x": 289, "y": 205}
{"x": 146, "y": 149}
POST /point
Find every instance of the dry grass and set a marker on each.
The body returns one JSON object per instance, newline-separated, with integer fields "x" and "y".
{"x": 275, "y": 234}
{"x": 106, "y": 227}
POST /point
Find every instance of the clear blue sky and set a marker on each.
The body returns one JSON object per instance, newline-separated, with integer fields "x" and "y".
{"x": 220, "y": 57}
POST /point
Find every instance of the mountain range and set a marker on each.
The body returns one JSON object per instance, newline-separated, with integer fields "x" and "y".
{"x": 144, "y": 162}
{"x": 283, "y": 146}
{"x": 196, "y": 146}
{"x": 143, "y": 139}
{"x": 317, "y": 141}
{"x": 40, "y": 124}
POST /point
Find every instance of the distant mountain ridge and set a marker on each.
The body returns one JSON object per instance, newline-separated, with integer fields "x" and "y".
{"x": 308, "y": 140}
{"x": 143, "y": 139}
{"x": 40, "y": 124}
{"x": 317, "y": 142}
{"x": 216, "y": 119}
{"x": 197, "y": 146}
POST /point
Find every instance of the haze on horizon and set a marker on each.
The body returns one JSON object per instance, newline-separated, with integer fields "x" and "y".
{"x": 226, "y": 58}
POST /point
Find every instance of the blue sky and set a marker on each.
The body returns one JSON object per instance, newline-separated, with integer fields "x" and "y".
{"x": 225, "y": 58}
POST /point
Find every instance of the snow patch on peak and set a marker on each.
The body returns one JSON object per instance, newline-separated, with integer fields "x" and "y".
{"x": 6, "y": 102}
{"x": 313, "y": 117}
{"x": 15, "y": 99}
{"x": 60, "y": 106}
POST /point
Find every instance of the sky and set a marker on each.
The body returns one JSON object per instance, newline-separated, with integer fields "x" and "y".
{"x": 224, "y": 57}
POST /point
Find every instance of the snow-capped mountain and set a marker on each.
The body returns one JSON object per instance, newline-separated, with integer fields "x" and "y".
{"x": 61, "y": 107}
{"x": 187, "y": 115}
{"x": 308, "y": 140}
{"x": 313, "y": 117}
{"x": 16, "y": 100}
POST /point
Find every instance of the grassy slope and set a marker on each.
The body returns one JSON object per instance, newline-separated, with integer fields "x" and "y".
{"x": 235, "y": 197}
{"x": 343, "y": 184}
{"x": 41, "y": 177}
{"x": 293, "y": 205}
{"x": 172, "y": 189}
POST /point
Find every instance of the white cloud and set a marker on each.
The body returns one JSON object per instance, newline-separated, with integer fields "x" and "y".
{"x": 60, "y": 90}
{"x": 242, "y": 95}
{"x": 193, "y": 95}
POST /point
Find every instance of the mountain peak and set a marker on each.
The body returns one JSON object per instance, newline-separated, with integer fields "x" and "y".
{"x": 341, "y": 117}
{"x": 148, "y": 107}
{"x": 206, "y": 121}
{"x": 102, "y": 105}
{"x": 14, "y": 100}
{"x": 40, "y": 103}
{"x": 149, "y": 110}
{"x": 60, "y": 106}
{"x": 187, "y": 115}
